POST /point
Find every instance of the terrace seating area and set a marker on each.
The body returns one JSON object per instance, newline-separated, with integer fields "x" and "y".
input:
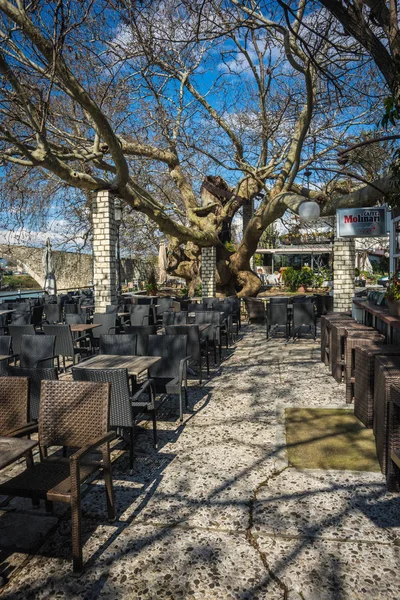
{"x": 204, "y": 486}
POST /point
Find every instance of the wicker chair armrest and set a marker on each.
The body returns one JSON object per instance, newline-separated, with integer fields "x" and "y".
{"x": 182, "y": 367}
{"x": 14, "y": 356}
{"x": 110, "y": 328}
{"x": 81, "y": 338}
{"x": 149, "y": 383}
{"x": 100, "y": 441}
{"x": 26, "y": 429}
{"x": 49, "y": 358}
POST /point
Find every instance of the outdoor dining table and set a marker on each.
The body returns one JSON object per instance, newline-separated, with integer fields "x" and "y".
{"x": 82, "y": 327}
{"x": 135, "y": 365}
{"x": 11, "y": 449}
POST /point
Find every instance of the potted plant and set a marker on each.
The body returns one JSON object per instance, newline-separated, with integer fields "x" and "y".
{"x": 393, "y": 297}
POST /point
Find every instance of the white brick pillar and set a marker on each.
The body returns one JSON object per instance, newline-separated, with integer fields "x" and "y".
{"x": 104, "y": 247}
{"x": 208, "y": 267}
{"x": 344, "y": 256}
{"x": 248, "y": 211}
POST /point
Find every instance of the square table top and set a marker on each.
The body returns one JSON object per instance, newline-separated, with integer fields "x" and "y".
{"x": 134, "y": 364}
{"x": 11, "y": 449}
{"x": 81, "y": 327}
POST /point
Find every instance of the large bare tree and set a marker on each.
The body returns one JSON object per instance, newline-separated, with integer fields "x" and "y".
{"x": 187, "y": 113}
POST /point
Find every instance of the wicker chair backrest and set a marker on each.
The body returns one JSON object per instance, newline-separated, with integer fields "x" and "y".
{"x": 193, "y": 338}
{"x": 195, "y": 307}
{"x": 140, "y": 314}
{"x": 277, "y": 313}
{"x": 73, "y": 413}
{"x": 36, "y": 347}
{"x": 106, "y": 320}
{"x": 64, "y": 342}
{"x": 52, "y": 313}
{"x": 5, "y": 345}
{"x": 20, "y": 318}
{"x": 164, "y": 304}
{"x": 37, "y": 315}
{"x": 112, "y": 308}
{"x": 303, "y": 314}
{"x": 36, "y": 376}
{"x": 71, "y": 318}
{"x": 142, "y": 332}
{"x": 16, "y": 332}
{"x": 70, "y": 308}
{"x": 14, "y": 403}
{"x": 255, "y": 308}
{"x": 123, "y": 344}
{"x": 215, "y": 318}
{"x": 120, "y": 407}
{"x": 172, "y": 349}
{"x": 175, "y": 318}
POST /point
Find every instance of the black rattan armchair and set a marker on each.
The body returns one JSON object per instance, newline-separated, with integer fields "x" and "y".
{"x": 169, "y": 375}
{"x": 122, "y": 343}
{"x": 16, "y": 332}
{"x": 38, "y": 351}
{"x": 142, "y": 333}
{"x": 141, "y": 314}
{"x": 175, "y": 318}
{"x": 36, "y": 376}
{"x": 278, "y": 318}
{"x": 197, "y": 346}
{"x": 304, "y": 315}
{"x": 65, "y": 343}
{"x": 124, "y": 406}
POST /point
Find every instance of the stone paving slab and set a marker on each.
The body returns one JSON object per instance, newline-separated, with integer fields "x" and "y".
{"x": 325, "y": 570}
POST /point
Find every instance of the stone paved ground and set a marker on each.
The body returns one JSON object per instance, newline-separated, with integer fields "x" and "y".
{"x": 217, "y": 513}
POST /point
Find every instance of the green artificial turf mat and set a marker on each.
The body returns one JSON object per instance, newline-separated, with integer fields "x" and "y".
{"x": 319, "y": 438}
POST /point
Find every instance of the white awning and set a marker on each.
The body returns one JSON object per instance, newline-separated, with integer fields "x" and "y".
{"x": 303, "y": 249}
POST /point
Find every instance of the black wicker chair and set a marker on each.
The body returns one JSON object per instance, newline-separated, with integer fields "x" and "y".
{"x": 304, "y": 315}
{"x": 108, "y": 322}
{"x": 75, "y": 318}
{"x": 234, "y": 304}
{"x": 175, "y": 318}
{"x": 19, "y": 318}
{"x": 278, "y": 317}
{"x": 65, "y": 343}
{"x": 36, "y": 376}
{"x": 38, "y": 351}
{"x": 5, "y": 350}
{"x": 255, "y": 309}
{"x": 214, "y": 333}
{"x": 123, "y": 344}
{"x": 124, "y": 406}
{"x": 141, "y": 314}
{"x": 142, "y": 332}
{"x": 16, "y": 332}
{"x": 52, "y": 313}
{"x": 197, "y": 306}
{"x": 197, "y": 346}
{"x": 169, "y": 375}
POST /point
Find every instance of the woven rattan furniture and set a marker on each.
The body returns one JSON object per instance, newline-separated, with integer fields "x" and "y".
{"x": 65, "y": 343}
{"x": 52, "y": 313}
{"x": 142, "y": 332}
{"x": 5, "y": 352}
{"x": 124, "y": 406}
{"x": 393, "y": 465}
{"x": 214, "y": 332}
{"x": 35, "y": 376}
{"x": 364, "y": 378}
{"x": 169, "y": 374}
{"x": 170, "y": 317}
{"x": 141, "y": 314}
{"x": 304, "y": 315}
{"x": 38, "y": 351}
{"x": 74, "y": 415}
{"x": 387, "y": 372}
{"x": 326, "y": 321}
{"x": 353, "y": 340}
{"x": 16, "y": 332}
{"x": 338, "y": 333}
{"x": 255, "y": 309}
{"x": 123, "y": 344}
{"x": 14, "y": 407}
{"x": 197, "y": 345}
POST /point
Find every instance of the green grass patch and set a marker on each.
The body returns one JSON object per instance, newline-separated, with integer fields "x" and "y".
{"x": 319, "y": 438}
{"x": 20, "y": 282}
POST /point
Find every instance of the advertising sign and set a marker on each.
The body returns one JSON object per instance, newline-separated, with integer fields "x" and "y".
{"x": 361, "y": 222}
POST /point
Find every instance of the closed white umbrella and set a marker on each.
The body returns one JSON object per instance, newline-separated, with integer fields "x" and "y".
{"x": 49, "y": 278}
{"x": 162, "y": 263}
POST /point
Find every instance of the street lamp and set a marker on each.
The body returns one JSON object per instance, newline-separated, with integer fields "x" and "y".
{"x": 118, "y": 220}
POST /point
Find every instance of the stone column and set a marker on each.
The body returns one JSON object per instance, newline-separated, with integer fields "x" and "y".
{"x": 208, "y": 267}
{"x": 104, "y": 247}
{"x": 248, "y": 210}
{"x": 344, "y": 255}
